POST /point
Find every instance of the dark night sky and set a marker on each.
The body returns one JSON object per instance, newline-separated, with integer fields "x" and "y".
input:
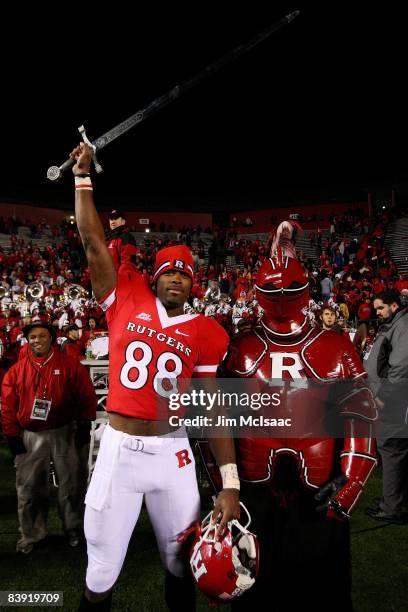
{"x": 319, "y": 108}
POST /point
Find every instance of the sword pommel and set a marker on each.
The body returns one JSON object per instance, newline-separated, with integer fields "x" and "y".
{"x": 53, "y": 173}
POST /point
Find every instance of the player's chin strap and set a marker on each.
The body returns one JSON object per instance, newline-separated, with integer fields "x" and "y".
{"x": 85, "y": 138}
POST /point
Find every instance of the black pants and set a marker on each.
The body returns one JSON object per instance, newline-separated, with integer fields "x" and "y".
{"x": 394, "y": 456}
{"x": 304, "y": 556}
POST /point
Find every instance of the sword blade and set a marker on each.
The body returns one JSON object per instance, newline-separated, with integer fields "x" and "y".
{"x": 100, "y": 143}
{"x": 178, "y": 90}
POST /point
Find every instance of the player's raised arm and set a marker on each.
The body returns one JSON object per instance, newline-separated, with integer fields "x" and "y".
{"x": 100, "y": 262}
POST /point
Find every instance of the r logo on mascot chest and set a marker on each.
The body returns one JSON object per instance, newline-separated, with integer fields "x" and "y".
{"x": 286, "y": 365}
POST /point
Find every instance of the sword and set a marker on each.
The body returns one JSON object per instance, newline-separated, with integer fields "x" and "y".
{"x": 55, "y": 172}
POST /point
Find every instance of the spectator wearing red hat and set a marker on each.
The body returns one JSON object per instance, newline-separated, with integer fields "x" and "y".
{"x": 121, "y": 243}
{"x": 365, "y": 310}
{"x": 155, "y": 348}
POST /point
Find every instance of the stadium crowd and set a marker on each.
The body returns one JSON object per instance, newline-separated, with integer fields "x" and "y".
{"x": 53, "y": 283}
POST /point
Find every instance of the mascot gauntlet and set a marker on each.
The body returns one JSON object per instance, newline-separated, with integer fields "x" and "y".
{"x": 339, "y": 496}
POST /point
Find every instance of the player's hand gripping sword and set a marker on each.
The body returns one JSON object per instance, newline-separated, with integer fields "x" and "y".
{"x": 55, "y": 172}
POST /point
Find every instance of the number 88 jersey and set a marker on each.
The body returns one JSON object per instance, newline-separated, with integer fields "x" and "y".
{"x": 150, "y": 352}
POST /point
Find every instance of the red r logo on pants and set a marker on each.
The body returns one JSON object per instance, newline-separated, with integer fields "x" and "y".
{"x": 183, "y": 458}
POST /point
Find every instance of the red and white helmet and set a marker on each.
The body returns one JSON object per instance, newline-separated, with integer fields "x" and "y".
{"x": 282, "y": 287}
{"x": 225, "y": 569}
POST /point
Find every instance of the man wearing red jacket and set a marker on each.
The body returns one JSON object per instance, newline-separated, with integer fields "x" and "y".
{"x": 121, "y": 243}
{"x": 365, "y": 309}
{"x": 48, "y": 402}
{"x": 72, "y": 345}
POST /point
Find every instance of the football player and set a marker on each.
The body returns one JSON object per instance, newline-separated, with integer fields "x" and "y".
{"x": 154, "y": 346}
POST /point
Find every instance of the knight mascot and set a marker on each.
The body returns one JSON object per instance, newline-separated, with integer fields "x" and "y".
{"x": 300, "y": 486}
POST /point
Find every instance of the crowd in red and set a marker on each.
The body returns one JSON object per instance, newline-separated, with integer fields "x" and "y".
{"x": 350, "y": 271}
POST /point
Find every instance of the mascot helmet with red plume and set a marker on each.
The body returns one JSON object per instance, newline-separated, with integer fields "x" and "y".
{"x": 282, "y": 287}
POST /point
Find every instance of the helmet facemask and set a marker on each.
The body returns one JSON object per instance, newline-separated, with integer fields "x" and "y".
{"x": 282, "y": 287}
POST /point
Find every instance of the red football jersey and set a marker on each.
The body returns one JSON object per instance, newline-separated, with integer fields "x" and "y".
{"x": 150, "y": 351}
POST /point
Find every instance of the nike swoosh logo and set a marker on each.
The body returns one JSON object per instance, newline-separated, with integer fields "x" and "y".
{"x": 181, "y": 333}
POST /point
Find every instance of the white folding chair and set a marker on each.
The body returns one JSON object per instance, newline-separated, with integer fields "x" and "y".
{"x": 97, "y": 428}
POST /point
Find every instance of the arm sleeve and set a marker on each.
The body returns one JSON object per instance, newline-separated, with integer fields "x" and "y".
{"x": 395, "y": 386}
{"x": 212, "y": 351}
{"x": 358, "y": 456}
{"x": 129, "y": 280}
{"x": 9, "y": 406}
{"x": 358, "y": 460}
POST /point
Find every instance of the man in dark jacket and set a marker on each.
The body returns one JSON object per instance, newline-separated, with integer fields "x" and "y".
{"x": 387, "y": 368}
{"x": 48, "y": 403}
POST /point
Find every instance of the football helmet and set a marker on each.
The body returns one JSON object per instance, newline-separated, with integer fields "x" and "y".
{"x": 224, "y": 569}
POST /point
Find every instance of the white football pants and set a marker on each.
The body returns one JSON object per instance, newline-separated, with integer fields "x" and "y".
{"x": 161, "y": 468}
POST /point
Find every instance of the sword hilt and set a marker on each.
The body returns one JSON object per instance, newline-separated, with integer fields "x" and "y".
{"x": 55, "y": 172}
{"x": 85, "y": 138}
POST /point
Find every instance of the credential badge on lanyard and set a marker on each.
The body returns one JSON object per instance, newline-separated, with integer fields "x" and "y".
{"x": 41, "y": 407}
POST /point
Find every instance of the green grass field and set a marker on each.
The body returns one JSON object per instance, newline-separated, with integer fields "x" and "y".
{"x": 380, "y": 560}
